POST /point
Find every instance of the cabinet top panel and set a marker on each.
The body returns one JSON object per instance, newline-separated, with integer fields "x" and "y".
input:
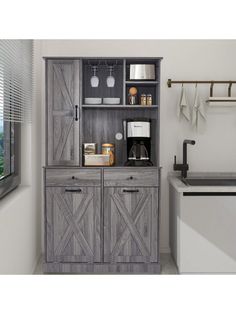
{"x": 97, "y": 58}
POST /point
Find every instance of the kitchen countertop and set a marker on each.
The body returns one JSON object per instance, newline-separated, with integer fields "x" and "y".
{"x": 175, "y": 181}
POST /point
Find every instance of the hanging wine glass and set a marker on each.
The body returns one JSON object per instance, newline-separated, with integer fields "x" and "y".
{"x": 94, "y": 80}
{"x": 110, "y": 78}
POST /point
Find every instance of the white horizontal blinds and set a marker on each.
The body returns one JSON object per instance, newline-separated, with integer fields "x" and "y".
{"x": 16, "y": 57}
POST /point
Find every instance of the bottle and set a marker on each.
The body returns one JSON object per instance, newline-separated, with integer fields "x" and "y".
{"x": 149, "y": 100}
{"x": 143, "y": 100}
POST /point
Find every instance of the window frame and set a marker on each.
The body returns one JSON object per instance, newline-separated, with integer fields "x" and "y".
{"x": 12, "y": 181}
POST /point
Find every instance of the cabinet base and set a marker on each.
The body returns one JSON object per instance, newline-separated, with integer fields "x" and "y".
{"x": 85, "y": 268}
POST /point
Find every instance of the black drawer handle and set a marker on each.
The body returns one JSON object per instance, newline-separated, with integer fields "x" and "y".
{"x": 76, "y": 113}
{"x": 73, "y": 191}
{"x": 130, "y": 191}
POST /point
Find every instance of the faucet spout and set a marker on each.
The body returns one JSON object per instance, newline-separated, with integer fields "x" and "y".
{"x": 184, "y": 166}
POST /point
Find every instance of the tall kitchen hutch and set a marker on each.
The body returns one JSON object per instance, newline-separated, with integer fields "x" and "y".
{"x": 99, "y": 219}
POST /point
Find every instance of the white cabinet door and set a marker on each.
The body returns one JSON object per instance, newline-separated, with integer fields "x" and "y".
{"x": 206, "y": 227}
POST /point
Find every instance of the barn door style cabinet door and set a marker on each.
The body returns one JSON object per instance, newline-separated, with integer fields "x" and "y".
{"x": 62, "y": 92}
{"x": 73, "y": 224}
{"x": 130, "y": 225}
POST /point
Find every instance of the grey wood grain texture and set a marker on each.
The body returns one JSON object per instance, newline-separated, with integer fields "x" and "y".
{"x": 102, "y": 268}
{"x": 73, "y": 177}
{"x": 131, "y": 225}
{"x": 62, "y": 97}
{"x": 131, "y": 177}
{"x": 101, "y": 126}
{"x": 73, "y": 224}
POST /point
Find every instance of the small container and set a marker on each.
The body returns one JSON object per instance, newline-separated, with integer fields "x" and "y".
{"x": 149, "y": 100}
{"x": 90, "y": 148}
{"x": 98, "y": 160}
{"x": 132, "y": 99}
{"x": 143, "y": 100}
{"x": 109, "y": 149}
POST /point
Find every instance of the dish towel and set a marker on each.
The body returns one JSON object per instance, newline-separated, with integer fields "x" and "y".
{"x": 198, "y": 112}
{"x": 183, "y": 107}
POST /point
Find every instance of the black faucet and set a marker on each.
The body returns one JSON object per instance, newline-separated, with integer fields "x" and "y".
{"x": 184, "y": 166}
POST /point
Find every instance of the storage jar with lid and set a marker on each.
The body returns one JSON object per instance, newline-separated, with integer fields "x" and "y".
{"x": 109, "y": 149}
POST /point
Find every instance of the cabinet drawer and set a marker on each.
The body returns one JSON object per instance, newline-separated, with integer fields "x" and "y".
{"x": 73, "y": 177}
{"x": 131, "y": 177}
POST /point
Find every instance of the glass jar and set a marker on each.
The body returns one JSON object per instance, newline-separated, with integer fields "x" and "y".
{"x": 132, "y": 99}
{"x": 109, "y": 149}
{"x": 143, "y": 100}
{"x": 149, "y": 100}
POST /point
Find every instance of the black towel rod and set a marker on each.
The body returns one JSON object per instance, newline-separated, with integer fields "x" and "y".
{"x": 170, "y": 82}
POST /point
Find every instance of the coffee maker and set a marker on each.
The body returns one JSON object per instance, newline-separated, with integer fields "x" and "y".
{"x": 137, "y": 134}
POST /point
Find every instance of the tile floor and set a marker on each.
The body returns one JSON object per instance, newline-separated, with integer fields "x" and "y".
{"x": 167, "y": 266}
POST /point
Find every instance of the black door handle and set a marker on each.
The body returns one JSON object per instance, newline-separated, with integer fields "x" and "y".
{"x": 73, "y": 191}
{"x": 76, "y": 113}
{"x": 130, "y": 191}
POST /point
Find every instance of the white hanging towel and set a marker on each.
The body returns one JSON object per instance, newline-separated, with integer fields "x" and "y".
{"x": 198, "y": 112}
{"x": 183, "y": 107}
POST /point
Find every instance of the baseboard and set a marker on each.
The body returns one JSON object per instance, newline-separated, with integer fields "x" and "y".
{"x": 165, "y": 249}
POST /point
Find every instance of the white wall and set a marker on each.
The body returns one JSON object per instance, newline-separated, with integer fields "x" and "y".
{"x": 215, "y": 148}
{"x": 20, "y": 210}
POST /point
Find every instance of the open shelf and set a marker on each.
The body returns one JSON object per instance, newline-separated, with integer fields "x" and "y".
{"x": 101, "y": 126}
{"x": 120, "y": 107}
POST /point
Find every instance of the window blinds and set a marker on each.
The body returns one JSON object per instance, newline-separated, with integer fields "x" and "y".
{"x": 16, "y": 58}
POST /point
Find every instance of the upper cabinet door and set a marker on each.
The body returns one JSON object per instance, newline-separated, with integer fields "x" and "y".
{"x": 63, "y": 112}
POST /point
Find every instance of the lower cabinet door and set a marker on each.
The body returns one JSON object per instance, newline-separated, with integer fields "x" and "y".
{"x": 73, "y": 217}
{"x": 130, "y": 225}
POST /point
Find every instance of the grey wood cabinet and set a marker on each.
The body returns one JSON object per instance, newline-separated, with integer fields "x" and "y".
{"x": 73, "y": 224}
{"x": 130, "y": 225}
{"x": 98, "y": 219}
{"x": 62, "y": 92}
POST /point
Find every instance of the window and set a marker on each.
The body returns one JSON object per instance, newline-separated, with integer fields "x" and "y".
{"x": 15, "y": 107}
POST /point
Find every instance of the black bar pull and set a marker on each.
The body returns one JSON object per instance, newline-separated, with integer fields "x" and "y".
{"x": 73, "y": 191}
{"x": 76, "y": 113}
{"x": 211, "y": 89}
{"x": 229, "y": 89}
{"x": 130, "y": 191}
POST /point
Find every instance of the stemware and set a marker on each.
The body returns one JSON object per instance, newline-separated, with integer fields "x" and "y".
{"x": 110, "y": 78}
{"x": 94, "y": 81}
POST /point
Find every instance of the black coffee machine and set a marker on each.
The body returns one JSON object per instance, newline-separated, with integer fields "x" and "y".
{"x": 137, "y": 133}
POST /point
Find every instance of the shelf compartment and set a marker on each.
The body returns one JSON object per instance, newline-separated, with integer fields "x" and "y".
{"x": 101, "y": 126}
{"x": 103, "y": 91}
{"x": 143, "y": 89}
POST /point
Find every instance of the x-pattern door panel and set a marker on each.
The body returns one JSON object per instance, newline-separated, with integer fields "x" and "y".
{"x": 73, "y": 224}
{"x": 63, "y": 128}
{"x": 130, "y": 225}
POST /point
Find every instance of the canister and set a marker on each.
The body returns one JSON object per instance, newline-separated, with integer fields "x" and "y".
{"x": 109, "y": 149}
{"x": 143, "y": 100}
{"x": 149, "y": 100}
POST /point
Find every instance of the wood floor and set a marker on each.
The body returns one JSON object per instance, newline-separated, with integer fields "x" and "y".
{"x": 167, "y": 266}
